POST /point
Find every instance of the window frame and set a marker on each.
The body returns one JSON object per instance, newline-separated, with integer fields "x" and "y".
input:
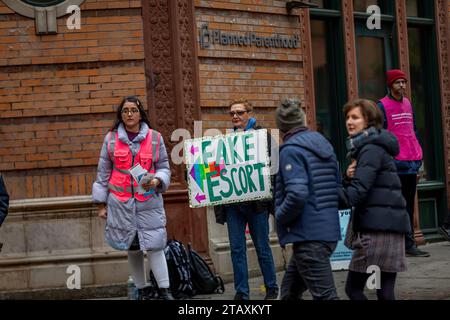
{"x": 338, "y": 80}
{"x": 386, "y": 6}
{"x": 432, "y": 87}
{"x": 437, "y": 188}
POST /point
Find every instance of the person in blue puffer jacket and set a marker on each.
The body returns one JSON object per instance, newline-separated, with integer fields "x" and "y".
{"x": 306, "y": 205}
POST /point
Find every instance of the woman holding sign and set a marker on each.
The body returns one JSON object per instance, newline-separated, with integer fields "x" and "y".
{"x": 253, "y": 213}
{"x": 373, "y": 189}
{"x": 134, "y": 212}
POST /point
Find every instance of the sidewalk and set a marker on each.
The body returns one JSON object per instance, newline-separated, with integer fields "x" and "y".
{"x": 425, "y": 279}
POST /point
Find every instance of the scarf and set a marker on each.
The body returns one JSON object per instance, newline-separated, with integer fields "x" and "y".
{"x": 250, "y": 124}
{"x": 355, "y": 142}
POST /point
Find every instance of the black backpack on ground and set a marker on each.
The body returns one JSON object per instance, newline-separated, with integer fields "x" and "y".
{"x": 181, "y": 285}
{"x": 205, "y": 282}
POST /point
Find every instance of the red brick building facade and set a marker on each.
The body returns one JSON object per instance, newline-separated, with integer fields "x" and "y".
{"x": 59, "y": 93}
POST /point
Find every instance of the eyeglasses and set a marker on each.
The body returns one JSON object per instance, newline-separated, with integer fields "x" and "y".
{"x": 126, "y": 111}
{"x": 237, "y": 113}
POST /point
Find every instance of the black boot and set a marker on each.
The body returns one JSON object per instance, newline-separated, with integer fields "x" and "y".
{"x": 147, "y": 293}
{"x": 164, "y": 294}
{"x": 271, "y": 293}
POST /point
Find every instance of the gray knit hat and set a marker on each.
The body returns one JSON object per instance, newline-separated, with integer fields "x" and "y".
{"x": 289, "y": 115}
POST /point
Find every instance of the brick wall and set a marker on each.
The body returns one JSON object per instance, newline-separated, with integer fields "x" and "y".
{"x": 58, "y": 94}
{"x": 263, "y": 75}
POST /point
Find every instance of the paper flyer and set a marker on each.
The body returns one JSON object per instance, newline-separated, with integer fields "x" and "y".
{"x": 142, "y": 176}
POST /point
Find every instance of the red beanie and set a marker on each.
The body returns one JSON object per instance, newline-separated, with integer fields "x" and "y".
{"x": 393, "y": 75}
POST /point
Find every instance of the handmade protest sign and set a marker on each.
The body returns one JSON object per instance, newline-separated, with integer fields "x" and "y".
{"x": 228, "y": 168}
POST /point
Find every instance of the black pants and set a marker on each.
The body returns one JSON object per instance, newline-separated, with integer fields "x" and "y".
{"x": 409, "y": 185}
{"x": 309, "y": 269}
{"x": 356, "y": 281}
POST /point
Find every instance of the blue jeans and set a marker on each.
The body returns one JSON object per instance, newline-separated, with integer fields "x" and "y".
{"x": 237, "y": 218}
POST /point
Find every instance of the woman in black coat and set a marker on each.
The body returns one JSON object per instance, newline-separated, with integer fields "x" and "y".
{"x": 372, "y": 187}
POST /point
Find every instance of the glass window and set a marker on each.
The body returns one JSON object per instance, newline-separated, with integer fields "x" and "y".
{"x": 324, "y": 106}
{"x": 320, "y": 3}
{"x": 412, "y": 8}
{"x": 421, "y": 97}
{"x": 419, "y": 8}
{"x": 327, "y": 4}
{"x": 361, "y": 5}
{"x": 371, "y": 67}
{"x": 329, "y": 82}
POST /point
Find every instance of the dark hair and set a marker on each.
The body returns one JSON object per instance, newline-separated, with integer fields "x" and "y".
{"x": 369, "y": 110}
{"x": 138, "y": 104}
{"x": 248, "y": 106}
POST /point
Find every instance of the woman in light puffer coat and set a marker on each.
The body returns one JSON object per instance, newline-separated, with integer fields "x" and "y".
{"x": 135, "y": 222}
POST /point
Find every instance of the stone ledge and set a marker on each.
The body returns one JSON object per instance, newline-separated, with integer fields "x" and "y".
{"x": 40, "y": 204}
{"x": 49, "y": 203}
{"x": 88, "y": 292}
{"x": 53, "y": 275}
{"x": 63, "y": 258}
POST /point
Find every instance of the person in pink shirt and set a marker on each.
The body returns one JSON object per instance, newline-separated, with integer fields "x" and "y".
{"x": 399, "y": 119}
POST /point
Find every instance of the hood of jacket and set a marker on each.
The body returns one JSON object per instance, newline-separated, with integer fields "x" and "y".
{"x": 311, "y": 141}
{"x": 379, "y": 137}
{"x": 123, "y": 136}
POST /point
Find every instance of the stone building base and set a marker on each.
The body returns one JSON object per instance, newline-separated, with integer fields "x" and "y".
{"x": 42, "y": 238}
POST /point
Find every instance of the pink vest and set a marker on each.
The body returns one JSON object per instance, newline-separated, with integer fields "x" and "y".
{"x": 120, "y": 182}
{"x": 400, "y": 122}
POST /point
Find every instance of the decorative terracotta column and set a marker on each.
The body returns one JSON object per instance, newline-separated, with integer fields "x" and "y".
{"x": 443, "y": 45}
{"x": 172, "y": 92}
{"x": 402, "y": 38}
{"x": 308, "y": 67}
{"x": 350, "y": 49}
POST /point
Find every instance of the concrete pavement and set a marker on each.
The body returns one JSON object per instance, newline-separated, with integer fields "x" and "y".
{"x": 425, "y": 279}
